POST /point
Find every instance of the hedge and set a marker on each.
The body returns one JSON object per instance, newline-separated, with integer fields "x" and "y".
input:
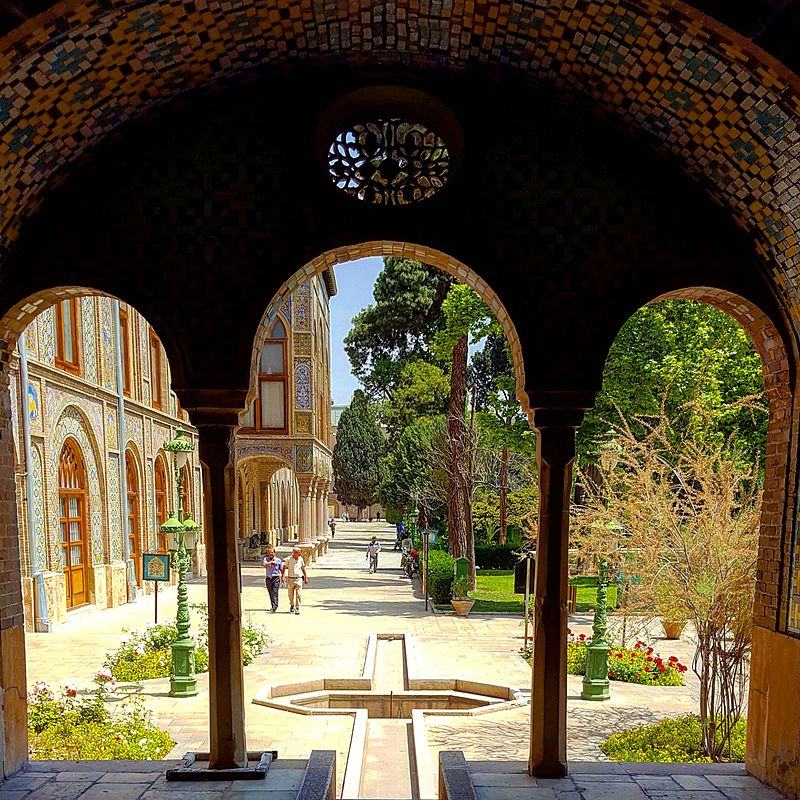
{"x": 499, "y": 556}
{"x": 441, "y": 567}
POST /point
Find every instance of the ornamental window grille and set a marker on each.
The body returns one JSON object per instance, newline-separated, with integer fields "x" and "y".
{"x": 389, "y": 162}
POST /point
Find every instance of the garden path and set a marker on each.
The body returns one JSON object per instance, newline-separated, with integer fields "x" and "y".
{"x": 342, "y": 604}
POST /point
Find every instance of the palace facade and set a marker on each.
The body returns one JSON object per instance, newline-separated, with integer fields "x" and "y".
{"x": 91, "y": 411}
{"x": 284, "y": 444}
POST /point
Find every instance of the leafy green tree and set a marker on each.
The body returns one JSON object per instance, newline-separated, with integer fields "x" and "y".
{"x": 499, "y": 412}
{"x": 465, "y": 317}
{"x": 407, "y": 468}
{"x": 673, "y": 358}
{"x": 421, "y": 391}
{"x": 357, "y": 454}
{"x": 399, "y": 326}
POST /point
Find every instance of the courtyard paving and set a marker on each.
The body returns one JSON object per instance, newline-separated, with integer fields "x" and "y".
{"x": 342, "y": 605}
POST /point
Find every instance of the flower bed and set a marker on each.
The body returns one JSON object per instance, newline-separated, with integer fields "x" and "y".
{"x": 64, "y": 727}
{"x": 638, "y": 664}
{"x": 147, "y": 654}
{"x": 671, "y": 740}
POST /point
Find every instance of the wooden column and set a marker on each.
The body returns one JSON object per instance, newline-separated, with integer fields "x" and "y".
{"x": 226, "y": 676}
{"x": 555, "y": 428}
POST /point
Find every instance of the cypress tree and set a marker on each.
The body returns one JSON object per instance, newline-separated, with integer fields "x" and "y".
{"x": 357, "y": 454}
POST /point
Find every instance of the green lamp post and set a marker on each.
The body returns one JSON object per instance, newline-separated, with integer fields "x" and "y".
{"x": 182, "y": 533}
{"x": 595, "y": 681}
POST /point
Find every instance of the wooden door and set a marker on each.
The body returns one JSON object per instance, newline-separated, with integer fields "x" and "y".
{"x": 132, "y": 480}
{"x": 73, "y": 513}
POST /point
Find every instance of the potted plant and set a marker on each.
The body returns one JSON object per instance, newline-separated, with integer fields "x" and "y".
{"x": 673, "y": 614}
{"x": 461, "y": 602}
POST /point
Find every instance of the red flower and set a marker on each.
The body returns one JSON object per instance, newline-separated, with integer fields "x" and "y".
{"x": 647, "y": 669}
{"x": 673, "y": 658}
{"x": 661, "y": 667}
{"x": 649, "y": 650}
{"x": 649, "y": 658}
{"x": 619, "y": 655}
{"x": 569, "y": 632}
{"x": 611, "y": 673}
{"x": 582, "y": 637}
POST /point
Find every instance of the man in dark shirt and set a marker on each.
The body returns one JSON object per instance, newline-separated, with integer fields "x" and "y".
{"x": 273, "y": 565}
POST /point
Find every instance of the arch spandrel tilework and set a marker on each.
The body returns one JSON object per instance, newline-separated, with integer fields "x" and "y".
{"x": 702, "y": 92}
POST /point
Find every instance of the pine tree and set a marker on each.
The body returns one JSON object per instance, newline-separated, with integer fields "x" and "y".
{"x": 357, "y": 454}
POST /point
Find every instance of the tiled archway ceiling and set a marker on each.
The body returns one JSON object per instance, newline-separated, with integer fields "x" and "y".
{"x": 707, "y": 94}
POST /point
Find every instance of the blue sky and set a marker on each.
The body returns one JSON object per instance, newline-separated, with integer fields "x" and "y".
{"x": 355, "y": 281}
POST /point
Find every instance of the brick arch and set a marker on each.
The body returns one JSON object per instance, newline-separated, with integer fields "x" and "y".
{"x": 73, "y": 59}
{"x": 418, "y": 252}
{"x": 775, "y": 556}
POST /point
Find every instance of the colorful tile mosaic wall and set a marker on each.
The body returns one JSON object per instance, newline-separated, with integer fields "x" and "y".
{"x": 302, "y": 311}
{"x": 303, "y": 457}
{"x": 88, "y": 327}
{"x": 144, "y": 351}
{"x": 114, "y": 511}
{"x": 37, "y": 501}
{"x": 32, "y": 340}
{"x": 112, "y": 430}
{"x": 107, "y": 338}
{"x": 302, "y": 383}
{"x": 47, "y": 322}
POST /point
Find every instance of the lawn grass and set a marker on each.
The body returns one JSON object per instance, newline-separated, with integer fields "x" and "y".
{"x": 495, "y": 592}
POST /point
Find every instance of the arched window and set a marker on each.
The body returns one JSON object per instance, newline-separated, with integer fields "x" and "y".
{"x": 272, "y": 375}
{"x": 73, "y": 514}
{"x": 161, "y": 504}
{"x": 132, "y": 480}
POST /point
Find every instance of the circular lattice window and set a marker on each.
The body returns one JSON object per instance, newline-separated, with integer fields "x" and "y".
{"x": 389, "y": 161}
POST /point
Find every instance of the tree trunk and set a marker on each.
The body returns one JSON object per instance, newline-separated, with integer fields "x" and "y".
{"x": 503, "y": 538}
{"x": 457, "y": 441}
{"x": 423, "y": 517}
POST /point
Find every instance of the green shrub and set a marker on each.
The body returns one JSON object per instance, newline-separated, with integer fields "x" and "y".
{"x": 440, "y": 576}
{"x": 498, "y": 556}
{"x": 147, "y": 654}
{"x": 65, "y": 727}
{"x": 671, "y": 740}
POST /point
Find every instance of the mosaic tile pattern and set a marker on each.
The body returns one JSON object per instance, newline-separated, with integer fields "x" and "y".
{"x": 302, "y": 422}
{"x": 144, "y": 351}
{"x": 72, "y": 423}
{"x": 302, "y": 310}
{"x": 302, "y": 383}
{"x": 302, "y": 344}
{"x": 37, "y": 501}
{"x": 32, "y": 340}
{"x": 89, "y": 331}
{"x": 135, "y": 431}
{"x": 303, "y": 457}
{"x": 47, "y": 322}
{"x": 114, "y": 509}
{"x": 112, "y": 431}
{"x": 107, "y": 346}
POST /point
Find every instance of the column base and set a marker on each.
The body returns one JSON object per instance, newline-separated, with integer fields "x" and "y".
{"x": 595, "y": 689}
{"x": 545, "y": 769}
{"x": 183, "y": 682}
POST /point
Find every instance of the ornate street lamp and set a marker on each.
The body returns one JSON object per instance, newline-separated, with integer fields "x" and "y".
{"x": 182, "y": 533}
{"x": 595, "y": 681}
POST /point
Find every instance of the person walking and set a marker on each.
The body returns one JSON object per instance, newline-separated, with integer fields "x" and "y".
{"x": 273, "y": 565}
{"x": 373, "y": 548}
{"x": 332, "y": 526}
{"x": 295, "y": 566}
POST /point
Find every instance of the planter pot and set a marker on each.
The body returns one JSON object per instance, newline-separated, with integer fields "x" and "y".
{"x": 673, "y": 630}
{"x": 462, "y": 607}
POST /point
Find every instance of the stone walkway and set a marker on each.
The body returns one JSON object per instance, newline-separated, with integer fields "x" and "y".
{"x": 342, "y": 605}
